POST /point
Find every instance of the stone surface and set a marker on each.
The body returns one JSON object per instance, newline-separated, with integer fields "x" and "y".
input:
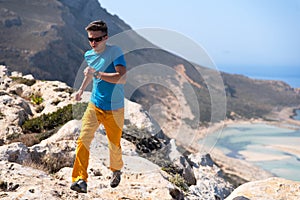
{"x": 146, "y": 149}
{"x": 210, "y": 180}
{"x": 271, "y": 188}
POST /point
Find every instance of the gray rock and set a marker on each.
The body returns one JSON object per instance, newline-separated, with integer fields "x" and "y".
{"x": 240, "y": 198}
{"x": 15, "y": 152}
{"x": 210, "y": 182}
{"x": 180, "y": 162}
{"x": 206, "y": 161}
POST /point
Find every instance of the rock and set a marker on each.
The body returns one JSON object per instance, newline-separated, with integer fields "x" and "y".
{"x": 17, "y": 89}
{"x": 15, "y": 152}
{"x": 54, "y": 94}
{"x": 176, "y": 193}
{"x": 271, "y": 188}
{"x": 146, "y": 152}
{"x": 181, "y": 163}
{"x": 9, "y": 18}
{"x": 29, "y": 77}
{"x": 134, "y": 114}
{"x": 14, "y": 111}
{"x": 240, "y": 198}
{"x": 16, "y": 74}
{"x": 3, "y": 73}
{"x": 141, "y": 179}
{"x": 206, "y": 161}
{"x": 210, "y": 181}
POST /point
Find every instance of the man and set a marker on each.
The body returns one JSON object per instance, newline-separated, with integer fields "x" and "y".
{"x": 107, "y": 70}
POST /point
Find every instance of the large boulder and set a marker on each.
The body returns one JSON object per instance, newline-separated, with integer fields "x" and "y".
{"x": 271, "y": 188}
{"x": 15, "y": 152}
{"x": 13, "y": 112}
{"x": 210, "y": 181}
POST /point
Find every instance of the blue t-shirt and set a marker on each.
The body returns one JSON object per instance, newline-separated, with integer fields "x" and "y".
{"x": 105, "y": 95}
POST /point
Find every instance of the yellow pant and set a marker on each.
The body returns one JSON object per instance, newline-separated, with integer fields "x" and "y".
{"x": 113, "y": 122}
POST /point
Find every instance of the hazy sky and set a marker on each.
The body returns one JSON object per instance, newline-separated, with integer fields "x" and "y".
{"x": 252, "y": 37}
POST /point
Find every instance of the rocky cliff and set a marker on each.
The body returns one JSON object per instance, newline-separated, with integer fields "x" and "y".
{"x": 155, "y": 168}
{"x": 42, "y": 169}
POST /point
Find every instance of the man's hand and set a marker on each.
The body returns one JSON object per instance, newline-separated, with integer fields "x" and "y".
{"x": 89, "y": 71}
{"x": 78, "y": 95}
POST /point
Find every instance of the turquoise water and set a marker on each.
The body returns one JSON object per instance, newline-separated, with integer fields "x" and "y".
{"x": 261, "y": 142}
{"x": 297, "y": 116}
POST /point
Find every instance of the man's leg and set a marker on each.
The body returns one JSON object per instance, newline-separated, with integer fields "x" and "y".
{"x": 89, "y": 126}
{"x": 113, "y": 123}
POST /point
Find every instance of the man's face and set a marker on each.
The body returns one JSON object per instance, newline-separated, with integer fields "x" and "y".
{"x": 97, "y": 39}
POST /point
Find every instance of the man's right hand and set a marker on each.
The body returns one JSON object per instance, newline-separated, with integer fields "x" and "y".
{"x": 78, "y": 95}
{"x": 89, "y": 71}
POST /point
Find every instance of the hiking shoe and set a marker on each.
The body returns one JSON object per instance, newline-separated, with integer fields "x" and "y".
{"x": 79, "y": 186}
{"x": 115, "y": 179}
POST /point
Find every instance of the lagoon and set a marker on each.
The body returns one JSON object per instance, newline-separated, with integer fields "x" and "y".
{"x": 274, "y": 149}
{"x": 297, "y": 115}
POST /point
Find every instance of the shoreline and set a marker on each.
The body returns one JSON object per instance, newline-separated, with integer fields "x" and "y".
{"x": 244, "y": 168}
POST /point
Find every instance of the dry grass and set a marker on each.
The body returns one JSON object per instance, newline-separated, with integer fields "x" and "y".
{"x": 50, "y": 163}
{"x": 27, "y": 139}
{"x": 35, "y": 165}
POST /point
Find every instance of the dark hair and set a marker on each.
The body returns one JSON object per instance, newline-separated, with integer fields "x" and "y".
{"x": 97, "y": 26}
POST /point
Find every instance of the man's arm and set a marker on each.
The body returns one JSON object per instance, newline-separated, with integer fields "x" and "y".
{"x": 88, "y": 77}
{"x": 119, "y": 77}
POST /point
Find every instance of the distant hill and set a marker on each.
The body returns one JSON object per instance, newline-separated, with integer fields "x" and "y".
{"x": 46, "y": 38}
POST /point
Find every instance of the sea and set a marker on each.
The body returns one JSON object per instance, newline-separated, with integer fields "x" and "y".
{"x": 292, "y": 81}
{"x": 287, "y": 74}
{"x": 272, "y": 148}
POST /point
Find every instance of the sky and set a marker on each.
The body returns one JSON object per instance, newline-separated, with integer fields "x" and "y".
{"x": 257, "y": 38}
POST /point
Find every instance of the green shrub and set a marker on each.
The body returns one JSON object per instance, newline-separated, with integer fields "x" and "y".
{"x": 171, "y": 169}
{"x": 179, "y": 182}
{"x": 47, "y": 122}
{"x": 23, "y": 81}
{"x": 36, "y": 99}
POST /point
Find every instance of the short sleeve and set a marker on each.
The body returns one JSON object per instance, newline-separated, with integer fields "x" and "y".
{"x": 118, "y": 57}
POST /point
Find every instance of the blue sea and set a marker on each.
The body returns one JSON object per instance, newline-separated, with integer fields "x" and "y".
{"x": 288, "y": 74}
{"x": 292, "y": 81}
{"x": 272, "y": 148}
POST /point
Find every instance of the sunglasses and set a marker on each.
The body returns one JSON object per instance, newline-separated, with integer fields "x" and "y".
{"x": 98, "y": 39}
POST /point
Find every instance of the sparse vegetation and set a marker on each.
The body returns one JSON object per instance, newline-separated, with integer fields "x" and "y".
{"x": 47, "y": 122}
{"x": 159, "y": 158}
{"x": 54, "y": 162}
{"x": 176, "y": 176}
{"x": 2, "y": 115}
{"x": 27, "y": 139}
{"x": 170, "y": 169}
{"x": 179, "y": 182}
{"x": 23, "y": 80}
{"x": 67, "y": 90}
{"x": 37, "y": 98}
{"x": 42, "y": 127}
{"x": 50, "y": 163}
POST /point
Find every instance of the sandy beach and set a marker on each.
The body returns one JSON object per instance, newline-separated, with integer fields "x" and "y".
{"x": 245, "y": 169}
{"x": 256, "y": 156}
{"x": 295, "y": 149}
